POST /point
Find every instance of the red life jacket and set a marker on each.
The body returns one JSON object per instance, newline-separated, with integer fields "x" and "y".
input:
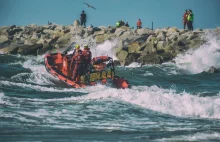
{"x": 139, "y": 23}
{"x": 77, "y": 59}
{"x": 87, "y": 55}
{"x": 185, "y": 16}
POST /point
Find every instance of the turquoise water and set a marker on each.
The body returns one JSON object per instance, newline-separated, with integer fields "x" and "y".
{"x": 176, "y": 101}
{"x": 165, "y": 103}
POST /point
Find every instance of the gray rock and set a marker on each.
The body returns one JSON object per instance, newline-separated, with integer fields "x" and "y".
{"x": 63, "y": 41}
{"x": 29, "y": 49}
{"x": 133, "y": 47}
{"x": 161, "y": 36}
{"x": 212, "y": 69}
{"x": 161, "y": 44}
{"x": 152, "y": 58}
{"x": 119, "y": 31}
{"x": 126, "y": 35}
{"x": 122, "y": 56}
{"x": 99, "y": 32}
{"x": 149, "y": 48}
{"x": 13, "y": 31}
{"x": 111, "y": 29}
{"x": 182, "y": 40}
{"x": 35, "y": 36}
{"x": 46, "y": 31}
{"x": 3, "y": 39}
{"x": 145, "y": 32}
{"x": 131, "y": 58}
{"x": 116, "y": 63}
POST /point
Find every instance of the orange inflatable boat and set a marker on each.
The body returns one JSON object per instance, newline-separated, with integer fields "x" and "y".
{"x": 101, "y": 71}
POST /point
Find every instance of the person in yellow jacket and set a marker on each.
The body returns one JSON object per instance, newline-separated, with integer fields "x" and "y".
{"x": 190, "y": 19}
{"x": 118, "y": 24}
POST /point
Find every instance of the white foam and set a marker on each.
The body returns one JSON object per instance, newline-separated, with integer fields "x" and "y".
{"x": 35, "y": 77}
{"x": 148, "y": 74}
{"x": 4, "y": 100}
{"x": 201, "y": 59}
{"x": 161, "y": 100}
{"x": 134, "y": 65}
{"x": 1, "y": 98}
{"x": 193, "y": 137}
{"x": 103, "y": 49}
{"x": 106, "y": 48}
{"x": 165, "y": 101}
{"x": 40, "y": 88}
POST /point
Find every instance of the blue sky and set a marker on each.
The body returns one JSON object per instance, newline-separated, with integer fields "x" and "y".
{"x": 164, "y": 13}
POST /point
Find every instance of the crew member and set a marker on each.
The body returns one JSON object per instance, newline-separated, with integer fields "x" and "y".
{"x": 77, "y": 48}
{"x": 87, "y": 55}
{"x": 75, "y": 65}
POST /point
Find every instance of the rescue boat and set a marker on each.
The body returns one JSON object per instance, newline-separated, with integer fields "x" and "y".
{"x": 101, "y": 70}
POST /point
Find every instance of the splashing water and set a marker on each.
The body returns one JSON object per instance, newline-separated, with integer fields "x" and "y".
{"x": 201, "y": 59}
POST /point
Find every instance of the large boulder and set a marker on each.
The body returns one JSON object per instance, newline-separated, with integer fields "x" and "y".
{"x": 149, "y": 48}
{"x": 172, "y": 30}
{"x": 161, "y": 44}
{"x": 161, "y": 36}
{"x": 151, "y": 38}
{"x": 35, "y": 36}
{"x": 122, "y": 56}
{"x": 152, "y": 58}
{"x": 11, "y": 49}
{"x": 126, "y": 35}
{"x": 134, "y": 47}
{"x": 119, "y": 31}
{"x": 47, "y": 31}
{"x": 99, "y": 32}
{"x": 196, "y": 43}
{"x": 145, "y": 32}
{"x": 182, "y": 40}
{"x": 45, "y": 49}
{"x": 166, "y": 56}
{"x": 3, "y": 39}
{"x": 116, "y": 63}
{"x": 212, "y": 69}
{"x": 111, "y": 29}
{"x": 13, "y": 31}
{"x": 29, "y": 49}
{"x": 131, "y": 58}
{"x": 63, "y": 41}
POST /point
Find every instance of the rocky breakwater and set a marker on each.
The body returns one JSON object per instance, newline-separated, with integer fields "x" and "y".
{"x": 144, "y": 46}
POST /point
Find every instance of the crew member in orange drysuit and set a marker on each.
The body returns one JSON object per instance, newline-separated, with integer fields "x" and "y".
{"x": 75, "y": 65}
{"x": 87, "y": 57}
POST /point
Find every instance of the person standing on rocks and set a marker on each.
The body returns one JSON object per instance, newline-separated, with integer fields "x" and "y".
{"x": 139, "y": 24}
{"x": 83, "y": 18}
{"x": 190, "y": 19}
{"x": 185, "y": 19}
{"x": 127, "y": 24}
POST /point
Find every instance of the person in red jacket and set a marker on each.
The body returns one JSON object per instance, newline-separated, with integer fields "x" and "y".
{"x": 185, "y": 19}
{"x": 139, "y": 24}
{"x": 87, "y": 55}
{"x": 75, "y": 65}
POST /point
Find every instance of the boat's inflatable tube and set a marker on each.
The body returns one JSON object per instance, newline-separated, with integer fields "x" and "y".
{"x": 100, "y": 59}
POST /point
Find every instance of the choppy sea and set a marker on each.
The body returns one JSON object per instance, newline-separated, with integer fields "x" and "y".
{"x": 175, "y": 101}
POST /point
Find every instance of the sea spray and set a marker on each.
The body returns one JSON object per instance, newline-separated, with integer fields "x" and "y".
{"x": 201, "y": 59}
{"x": 104, "y": 49}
